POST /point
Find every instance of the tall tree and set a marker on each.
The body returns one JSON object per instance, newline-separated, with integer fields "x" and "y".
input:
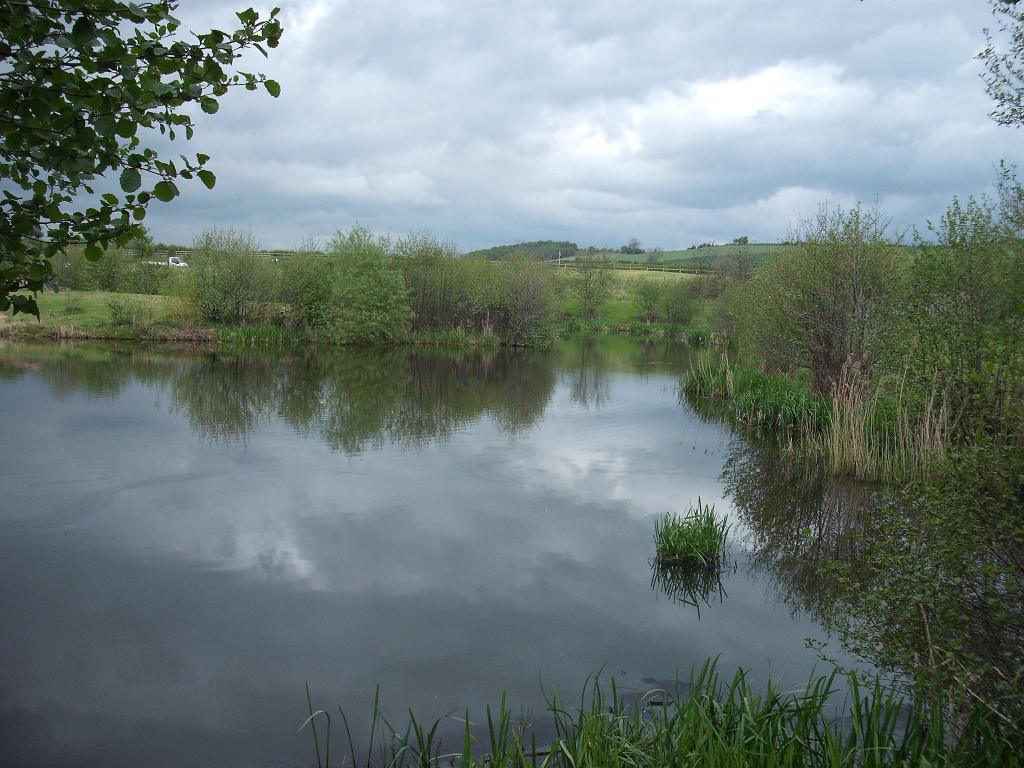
{"x": 82, "y": 86}
{"x": 1004, "y": 62}
{"x": 592, "y": 280}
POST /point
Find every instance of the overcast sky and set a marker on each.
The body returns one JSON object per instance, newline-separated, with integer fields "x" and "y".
{"x": 493, "y": 122}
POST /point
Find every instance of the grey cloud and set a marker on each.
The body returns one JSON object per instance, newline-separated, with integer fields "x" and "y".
{"x": 596, "y": 121}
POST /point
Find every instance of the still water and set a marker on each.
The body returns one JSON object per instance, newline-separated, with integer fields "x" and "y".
{"x": 187, "y": 538}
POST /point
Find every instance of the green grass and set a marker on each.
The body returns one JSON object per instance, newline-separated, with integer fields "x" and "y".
{"x": 88, "y": 311}
{"x": 706, "y": 722}
{"x": 620, "y": 313}
{"x": 853, "y": 431}
{"x": 88, "y": 314}
{"x": 694, "y": 540}
{"x": 700, "y": 257}
{"x": 755, "y": 398}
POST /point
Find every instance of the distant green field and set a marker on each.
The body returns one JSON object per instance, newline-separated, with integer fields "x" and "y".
{"x": 702, "y": 257}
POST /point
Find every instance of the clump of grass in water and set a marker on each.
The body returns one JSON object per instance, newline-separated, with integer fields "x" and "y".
{"x": 719, "y": 722}
{"x": 694, "y": 540}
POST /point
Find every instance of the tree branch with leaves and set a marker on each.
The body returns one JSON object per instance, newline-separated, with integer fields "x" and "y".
{"x": 80, "y": 85}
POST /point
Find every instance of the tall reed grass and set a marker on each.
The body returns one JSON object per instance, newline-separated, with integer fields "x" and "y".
{"x": 718, "y": 722}
{"x": 262, "y": 335}
{"x": 857, "y": 431}
{"x": 866, "y": 439}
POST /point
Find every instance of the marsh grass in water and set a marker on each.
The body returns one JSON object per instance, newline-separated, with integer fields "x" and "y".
{"x": 856, "y": 430}
{"x": 718, "y": 722}
{"x": 754, "y": 398}
{"x": 693, "y": 540}
{"x": 260, "y": 335}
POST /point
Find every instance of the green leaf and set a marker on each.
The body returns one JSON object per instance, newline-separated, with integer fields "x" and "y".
{"x": 24, "y": 304}
{"x": 165, "y": 191}
{"x": 93, "y": 252}
{"x": 131, "y": 179}
{"x": 207, "y": 178}
{"x": 209, "y": 105}
{"x": 273, "y": 88}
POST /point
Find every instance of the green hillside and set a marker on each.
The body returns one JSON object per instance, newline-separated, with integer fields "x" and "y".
{"x": 542, "y": 250}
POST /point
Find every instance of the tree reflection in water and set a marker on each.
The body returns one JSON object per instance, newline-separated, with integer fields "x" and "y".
{"x": 352, "y": 399}
{"x": 361, "y": 399}
{"x": 800, "y": 520}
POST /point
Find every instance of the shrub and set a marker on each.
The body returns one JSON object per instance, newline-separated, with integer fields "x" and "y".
{"x": 680, "y": 305}
{"x": 371, "y": 301}
{"x": 129, "y": 313}
{"x": 109, "y": 273}
{"x": 307, "y": 287}
{"x": 69, "y": 270}
{"x": 648, "y": 296}
{"x": 140, "y": 277}
{"x": 227, "y": 281}
{"x": 813, "y": 306}
{"x": 72, "y": 304}
{"x": 938, "y": 593}
{"x": 955, "y": 321}
{"x": 436, "y": 297}
{"x": 591, "y": 282}
{"x": 525, "y": 301}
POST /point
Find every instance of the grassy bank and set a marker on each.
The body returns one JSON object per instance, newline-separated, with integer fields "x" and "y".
{"x": 100, "y": 315}
{"x": 715, "y": 722}
{"x": 360, "y": 289}
{"x": 105, "y": 315}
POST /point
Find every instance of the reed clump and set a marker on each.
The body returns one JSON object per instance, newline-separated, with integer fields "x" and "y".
{"x": 867, "y": 437}
{"x": 754, "y": 398}
{"x": 695, "y": 539}
{"x": 862, "y": 429}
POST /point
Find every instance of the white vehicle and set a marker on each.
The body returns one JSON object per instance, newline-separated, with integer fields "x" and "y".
{"x": 172, "y": 261}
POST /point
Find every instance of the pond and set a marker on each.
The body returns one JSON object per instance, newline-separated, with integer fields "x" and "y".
{"x": 187, "y": 538}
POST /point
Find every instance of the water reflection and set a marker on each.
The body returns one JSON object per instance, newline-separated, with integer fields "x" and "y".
{"x": 364, "y": 399}
{"x": 799, "y": 519}
{"x": 353, "y": 401}
{"x": 589, "y": 385}
{"x": 687, "y": 585}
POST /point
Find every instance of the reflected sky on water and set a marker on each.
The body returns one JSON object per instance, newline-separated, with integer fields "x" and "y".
{"x": 187, "y": 538}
